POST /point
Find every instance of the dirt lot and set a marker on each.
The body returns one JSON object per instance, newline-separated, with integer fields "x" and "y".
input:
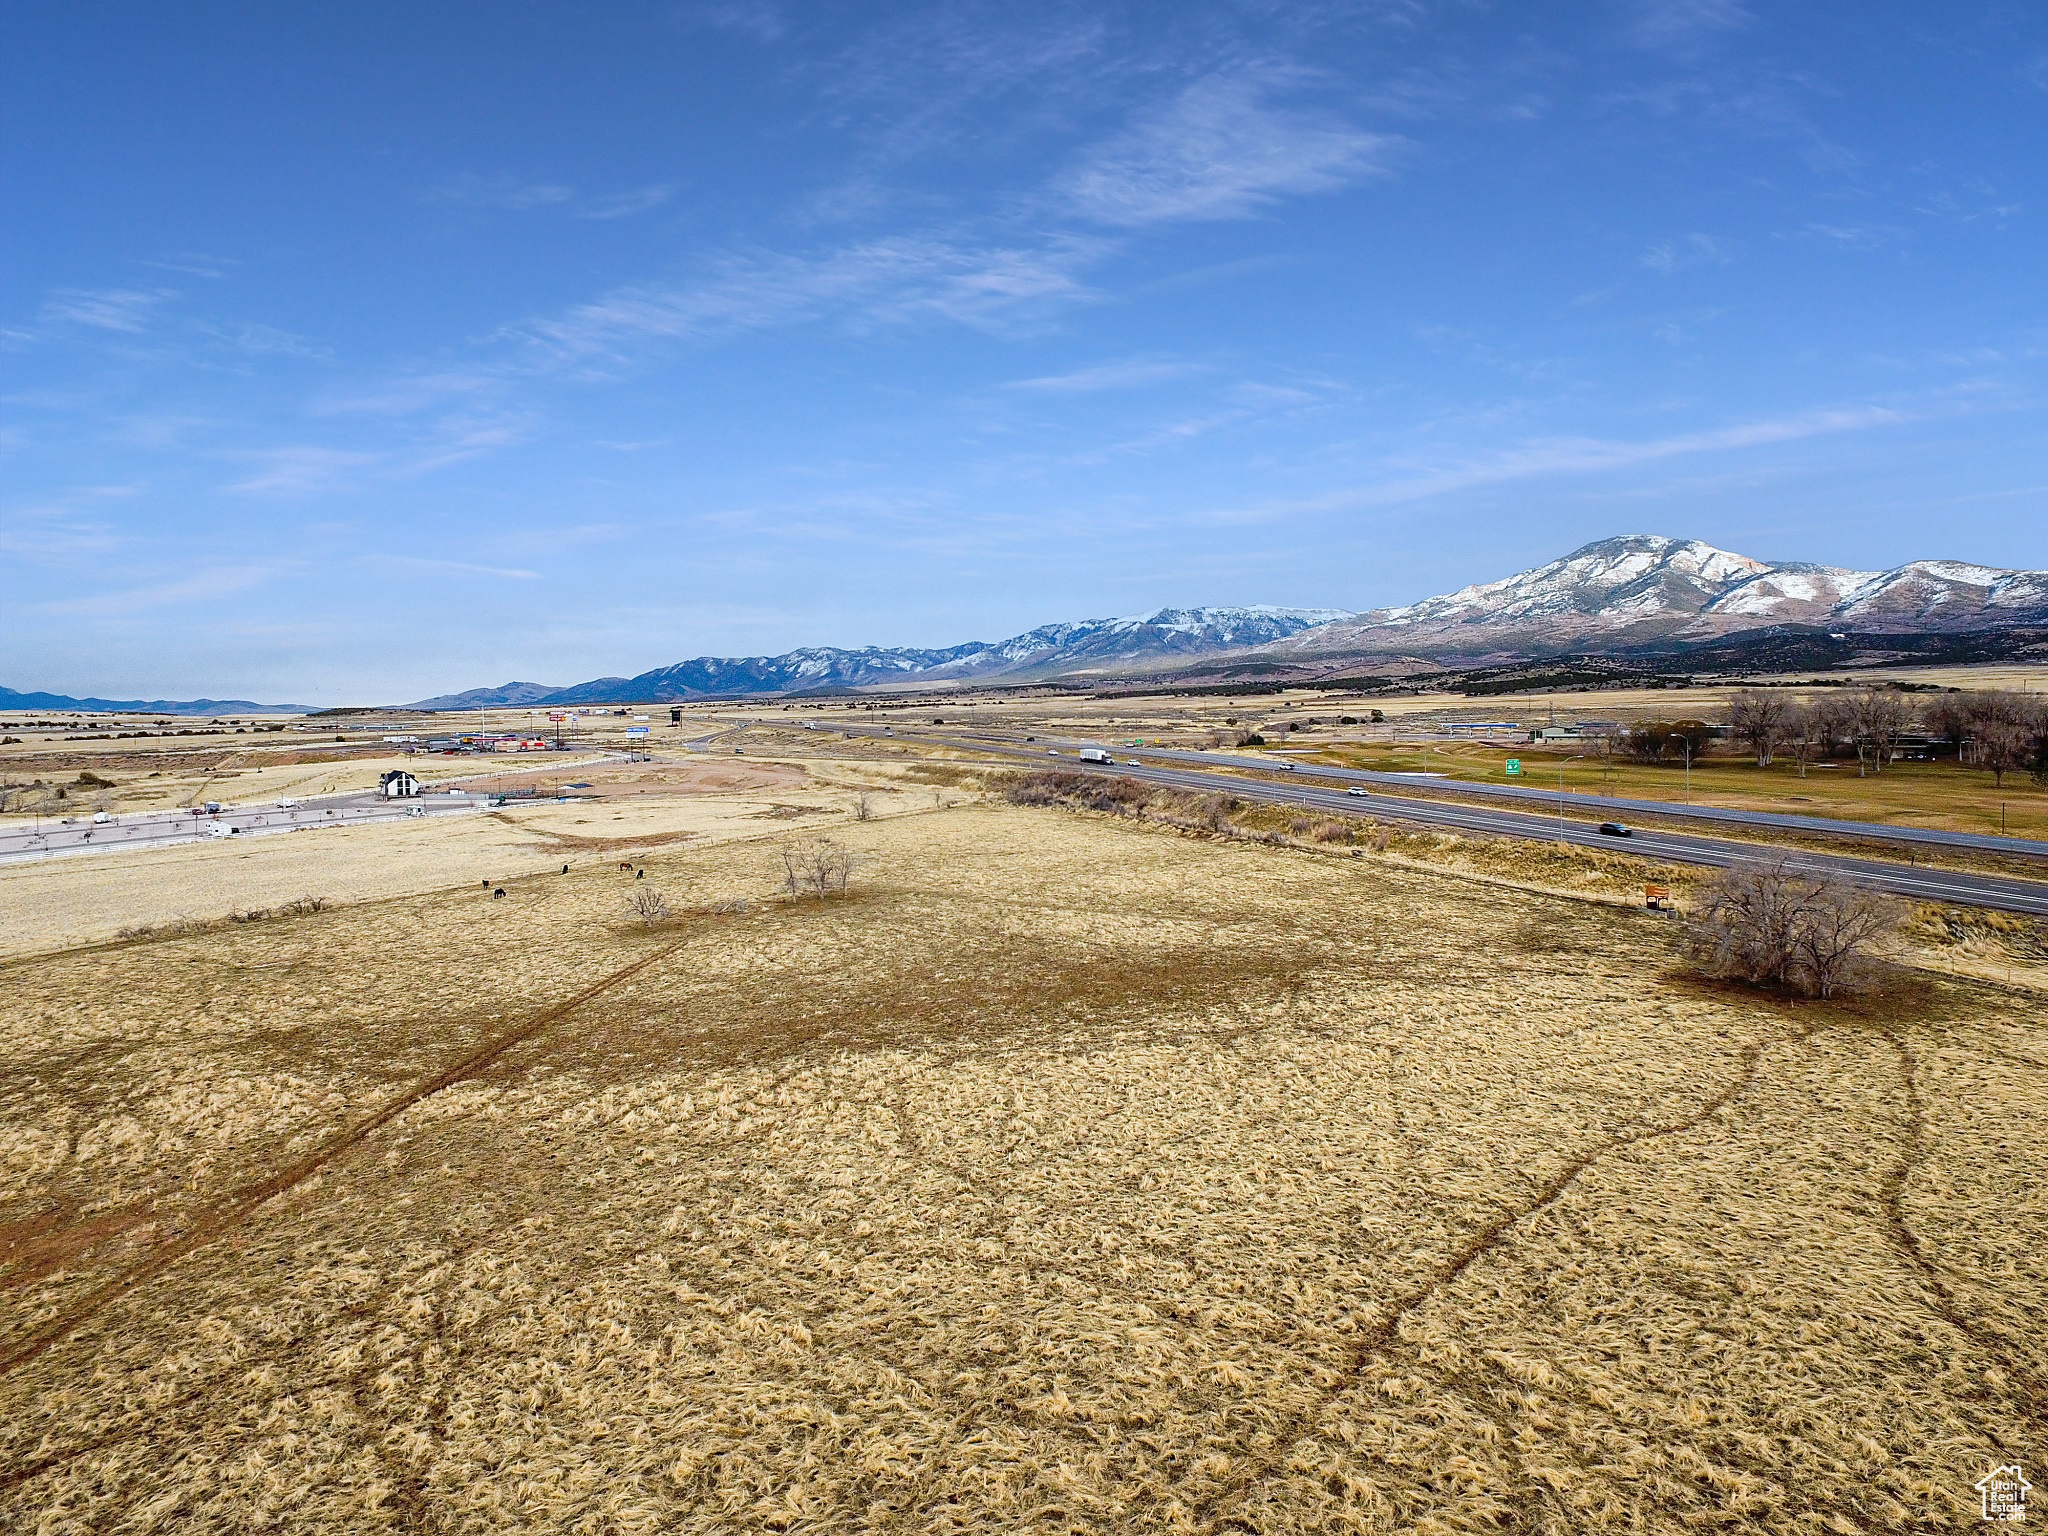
{"x": 85, "y": 900}
{"x": 1068, "y": 1175}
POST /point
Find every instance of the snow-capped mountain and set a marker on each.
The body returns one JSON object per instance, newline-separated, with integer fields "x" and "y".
{"x": 1633, "y": 590}
{"x": 1640, "y": 588}
{"x": 1050, "y": 649}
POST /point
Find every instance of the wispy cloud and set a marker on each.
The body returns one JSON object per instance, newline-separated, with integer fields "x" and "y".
{"x": 1104, "y": 376}
{"x": 457, "y": 567}
{"x": 1694, "y": 250}
{"x": 757, "y": 19}
{"x": 1683, "y": 26}
{"x": 1539, "y": 458}
{"x": 509, "y": 195}
{"x": 623, "y": 205}
{"x": 884, "y": 281}
{"x": 63, "y": 531}
{"x": 194, "y": 264}
{"x": 258, "y": 340}
{"x": 1220, "y": 150}
{"x": 299, "y": 469}
{"x": 128, "y": 310}
{"x": 1578, "y": 455}
{"x": 203, "y": 586}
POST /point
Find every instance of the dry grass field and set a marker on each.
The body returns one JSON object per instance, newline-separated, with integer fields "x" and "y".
{"x": 1944, "y": 795}
{"x": 1069, "y": 1174}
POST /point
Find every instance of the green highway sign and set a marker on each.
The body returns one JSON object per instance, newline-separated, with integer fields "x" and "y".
{"x": 1514, "y": 767}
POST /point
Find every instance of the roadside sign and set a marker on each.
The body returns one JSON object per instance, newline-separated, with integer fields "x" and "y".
{"x": 636, "y": 730}
{"x": 1514, "y": 767}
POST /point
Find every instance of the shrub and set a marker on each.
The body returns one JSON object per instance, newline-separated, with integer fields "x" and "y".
{"x": 648, "y": 905}
{"x": 1083, "y": 791}
{"x": 1770, "y": 925}
{"x": 817, "y": 866}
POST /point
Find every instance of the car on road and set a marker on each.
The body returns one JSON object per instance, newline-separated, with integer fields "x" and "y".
{"x": 1052, "y": 751}
{"x": 101, "y": 818}
{"x": 1614, "y": 829}
{"x": 1132, "y": 762}
{"x": 1354, "y": 790}
{"x": 1290, "y": 767}
{"x": 287, "y": 803}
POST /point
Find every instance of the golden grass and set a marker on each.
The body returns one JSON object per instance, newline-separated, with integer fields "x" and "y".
{"x": 79, "y": 900}
{"x": 1939, "y": 795}
{"x": 1069, "y": 1175}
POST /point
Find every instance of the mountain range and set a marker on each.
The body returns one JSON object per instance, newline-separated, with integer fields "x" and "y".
{"x": 59, "y": 702}
{"x": 1616, "y": 595}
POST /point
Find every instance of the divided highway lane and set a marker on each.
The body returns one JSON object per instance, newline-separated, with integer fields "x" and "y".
{"x": 1610, "y": 805}
{"x": 1963, "y": 889}
{"x": 1605, "y": 805}
{"x": 161, "y": 829}
{"x": 1997, "y": 892}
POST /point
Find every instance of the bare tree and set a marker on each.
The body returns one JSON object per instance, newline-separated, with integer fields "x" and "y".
{"x": 2002, "y": 746}
{"x": 1995, "y": 729}
{"x": 1950, "y": 718}
{"x": 1766, "y": 923}
{"x": 1837, "y": 928}
{"x": 817, "y": 866}
{"x": 1829, "y": 718}
{"x": 1808, "y": 739}
{"x": 1762, "y": 719}
{"x": 648, "y": 905}
{"x": 864, "y": 808}
{"x": 1878, "y": 717}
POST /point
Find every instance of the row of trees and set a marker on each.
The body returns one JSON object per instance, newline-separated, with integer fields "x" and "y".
{"x": 1993, "y": 729}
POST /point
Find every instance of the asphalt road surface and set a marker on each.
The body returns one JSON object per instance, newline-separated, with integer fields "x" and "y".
{"x": 1605, "y": 806}
{"x": 1298, "y": 787}
{"x": 1620, "y": 809}
{"x": 53, "y": 838}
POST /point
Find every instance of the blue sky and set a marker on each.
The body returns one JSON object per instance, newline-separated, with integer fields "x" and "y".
{"x": 353, "y": 353}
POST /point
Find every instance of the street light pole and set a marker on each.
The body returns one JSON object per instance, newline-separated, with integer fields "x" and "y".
{"x": 1560, "y": 795}
{"x": 1686, "y": 743}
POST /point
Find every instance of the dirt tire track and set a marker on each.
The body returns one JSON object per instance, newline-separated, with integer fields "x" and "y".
{"x": 2027, "y": 1389}
{"x": 1482, "y": 1242}
{"x": 145, "y": 1423}
{"x": 247, "y": 1200}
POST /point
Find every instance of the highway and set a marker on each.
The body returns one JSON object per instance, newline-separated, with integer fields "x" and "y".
{"x": 1620, "y": 809}
{"x": 55, "y": 838}
{"x": 1282, "y": 786}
